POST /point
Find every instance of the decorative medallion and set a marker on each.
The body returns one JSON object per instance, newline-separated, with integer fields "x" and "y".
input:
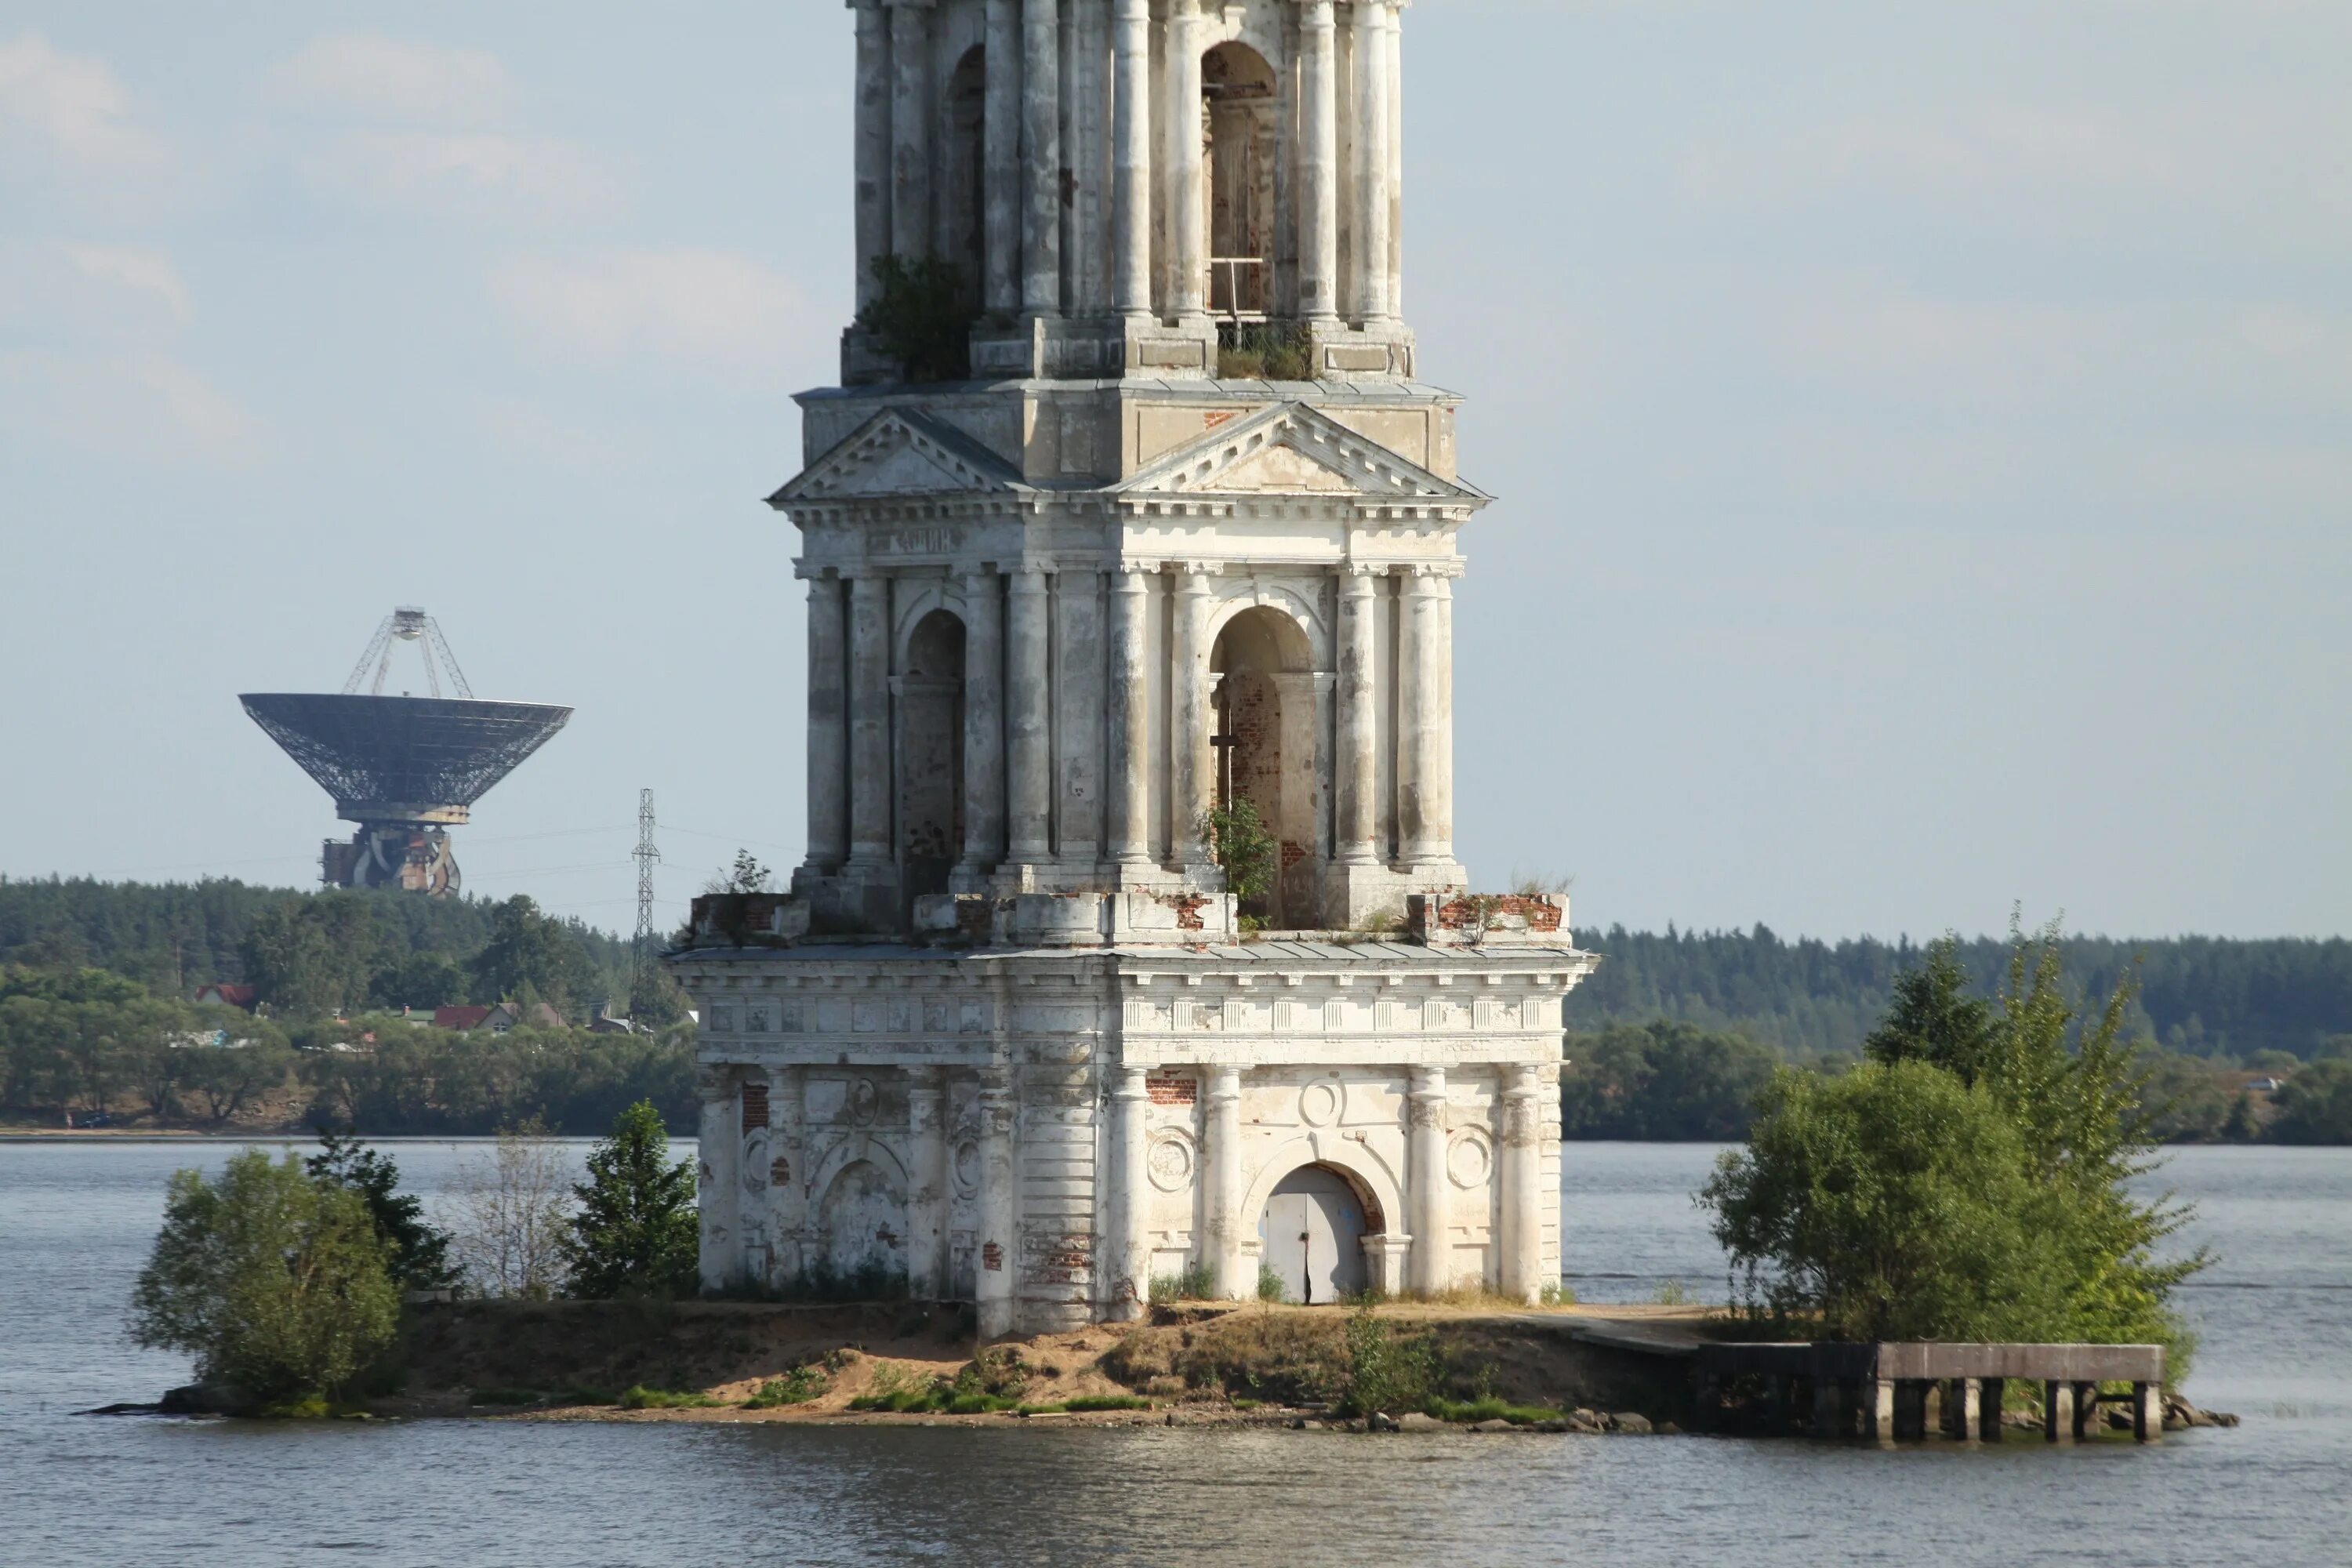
{"x": 1470, "y": 1161}
{"x": 967, "y": 1168}
{"x": 864, "y": 1100}
{"x": 1170, "y": 1163}
{"x": 1319, "y": 1104}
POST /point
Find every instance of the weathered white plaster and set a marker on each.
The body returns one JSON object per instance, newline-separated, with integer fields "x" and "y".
{"x": 1006, "y": 1041}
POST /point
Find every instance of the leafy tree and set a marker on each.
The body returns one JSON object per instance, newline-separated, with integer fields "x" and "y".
{"x": 528, "y": 950}
{"x": 1895, "y": 1203}
{"x": 314, "y": 957}
{"x": 2316, "y": 1106}
{"x": 1660, "y": 1080}
{"x": 254, "y": 1060}
{"x": 416, "y": 1253}
{"x": 2186, "y": 1096}
{"x": 421, "y": 980}
{"x": 2239, "y": 1126}
{"x": 2072, "y": 1092}
{"x": 276, "y": 1283}
{"x": 638, "y": 1230}
{"x": 1239, "y": 843}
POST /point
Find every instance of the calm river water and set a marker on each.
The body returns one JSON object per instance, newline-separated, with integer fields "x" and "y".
{"x": 76, "y": 1220}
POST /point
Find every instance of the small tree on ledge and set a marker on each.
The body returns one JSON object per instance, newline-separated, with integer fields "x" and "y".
{"x": 921, "y": 316}
{"x": 1239, "y": 842}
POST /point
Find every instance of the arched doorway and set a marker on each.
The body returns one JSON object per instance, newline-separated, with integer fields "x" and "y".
{"x": 963, "y": 208}
{"x": 930, "y": 754}
{"x": 1313, "y": 1233}
{"x": 864, "y": 1222}
{"x": 1264, "y": 748}
{"x": 1240, "y": 89}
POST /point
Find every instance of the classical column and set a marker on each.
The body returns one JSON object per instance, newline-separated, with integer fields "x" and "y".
{"x": 1130, "y": 193}
{"x": 1396, "y": 156}
{"x": 1425, "y": 796}
{"x": 1127, "y": 1270}
{"x": 1369, "y": 256}
{"x": 1318, "y": 162}
{"x": 1027, "y": 678}
{"x": 1358, "y": 779}
{"x": 1041, "y": 158}
{"x": 1225, "y": 1220}
{"x": 1000, "y": 156}
{"x": 1191, "y": 773}
{"x": 871, "y": 153}
{"x": 1522, "y": 1172}
{"x": 927, "y": 1199}
{"x": 911, "y": 127}
{"x": 869, "y": 719}
{"x": 718, "y": 1163}
{"x": 1084, "y": 152}
{"x": 983, "y": 720}
{"x": 1188, "y": 218}
{"x": 998, "y": 1250}
{"x": 1129, "y": 768}
{"x": 1433, "y": 1260}
{"x": 828, "y": 726}
{"x": 1079, "y": 703}
{"x": 787, "y": 1175}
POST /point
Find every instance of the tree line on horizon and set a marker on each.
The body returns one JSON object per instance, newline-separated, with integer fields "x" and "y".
{"x": 1672, "y": 1038}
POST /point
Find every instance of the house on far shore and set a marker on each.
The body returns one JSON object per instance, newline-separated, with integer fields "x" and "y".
{"x": 2266, "y": 1085}
{"x": 496, "y": 1018}
{"x": 245, "y": 997}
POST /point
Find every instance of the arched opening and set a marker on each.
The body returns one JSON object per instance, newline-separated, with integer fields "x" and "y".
{"x": 930, "y": 754}
{"x": 1312, "y": 1231}
{"x": 863, "y": 1220}
{"x": 1265, "y": 750}
{"x": 1239, "y": 160}
{"x": 962, "y": 212}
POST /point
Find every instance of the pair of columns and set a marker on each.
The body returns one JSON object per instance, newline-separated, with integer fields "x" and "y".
{"x": 1519, "y": 1173}
{"x": 1424, "y": 750}
{"x": 1008, "y": 761}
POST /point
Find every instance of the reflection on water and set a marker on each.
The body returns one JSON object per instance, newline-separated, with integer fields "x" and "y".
{"x": 75, "y": 1221}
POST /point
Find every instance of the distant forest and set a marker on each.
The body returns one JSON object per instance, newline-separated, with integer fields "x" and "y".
{"x": 1810, "y": 1000}
{"x": 171, "y": 936}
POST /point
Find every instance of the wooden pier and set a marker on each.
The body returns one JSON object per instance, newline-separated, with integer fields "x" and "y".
{"x": 1886, "y": 1390}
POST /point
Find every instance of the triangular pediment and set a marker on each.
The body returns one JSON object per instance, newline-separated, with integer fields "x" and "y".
{"x": 901, "y": 452}
{"x": 1291, "y": 448}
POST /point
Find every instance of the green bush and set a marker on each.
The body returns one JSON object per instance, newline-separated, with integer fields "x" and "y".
{"x": 1389, "y": 1371}
{"x": 797, "y": 1386}
{"x": 1238, "y": 839}
{"x": 277, "y": 1284}
{"x": 1194, "y": 1282}
{"x": 1270, "y": 1287}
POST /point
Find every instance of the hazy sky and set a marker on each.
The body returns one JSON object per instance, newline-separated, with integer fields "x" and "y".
{"x": 1923, "y": 432}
